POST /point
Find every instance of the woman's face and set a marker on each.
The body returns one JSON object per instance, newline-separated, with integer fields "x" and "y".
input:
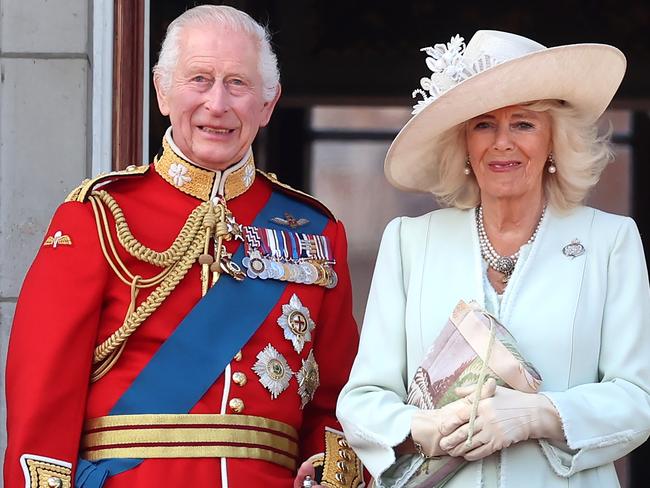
{"x": 508, "y": 149}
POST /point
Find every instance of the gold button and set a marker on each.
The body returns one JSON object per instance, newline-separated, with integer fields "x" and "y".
{"x": 238, "y": 356}
{"x": 130, "y": 167}
{"x": 239, "y": 378}
{"x": 236, "y": 405}
{"x": 54, "y": 482}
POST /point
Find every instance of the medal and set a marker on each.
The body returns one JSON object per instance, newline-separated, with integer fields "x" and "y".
{"x": 255, "y": 266}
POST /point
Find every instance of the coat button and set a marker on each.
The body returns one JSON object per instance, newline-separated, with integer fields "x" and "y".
{"x": 239, "y": 378}
{"x": 238, "y": 356}
{"x": 236, "y": 405}
{"x": 54, "y": 482}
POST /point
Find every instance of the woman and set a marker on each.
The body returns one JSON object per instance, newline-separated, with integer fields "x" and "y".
{"x": 506, "y": 137}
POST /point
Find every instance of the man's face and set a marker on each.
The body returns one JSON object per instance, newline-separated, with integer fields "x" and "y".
{"x": 215, "y": 101}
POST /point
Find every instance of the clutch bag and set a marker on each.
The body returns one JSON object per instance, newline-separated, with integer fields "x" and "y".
{"x": 456, "y": 358}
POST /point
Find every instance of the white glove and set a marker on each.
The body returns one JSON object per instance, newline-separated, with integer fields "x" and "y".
{"x": 429, "y": 426}
{"x": 508, "y": 417}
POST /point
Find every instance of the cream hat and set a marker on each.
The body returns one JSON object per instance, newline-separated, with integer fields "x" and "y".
{"x": 495, "y": 70}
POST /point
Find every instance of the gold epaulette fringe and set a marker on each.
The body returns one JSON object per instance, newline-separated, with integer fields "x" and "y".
{"x": 273, "y": 179}
{"x": 83, "y": 191}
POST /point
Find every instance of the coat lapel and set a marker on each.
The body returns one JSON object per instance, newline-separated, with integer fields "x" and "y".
{"x": 446, "y": 268}
{"x": 550, "y": 282}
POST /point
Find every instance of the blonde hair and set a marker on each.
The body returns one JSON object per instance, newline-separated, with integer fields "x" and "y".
{"x": 219, "y": 16}
{"x": 580, "y": 156}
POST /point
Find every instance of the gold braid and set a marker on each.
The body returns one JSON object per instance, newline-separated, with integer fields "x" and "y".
{"x": 177, "y": 260}
{"x": 140, "y": 251}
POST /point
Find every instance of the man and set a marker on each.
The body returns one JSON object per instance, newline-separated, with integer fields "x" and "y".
{"x": 186, "y": 323}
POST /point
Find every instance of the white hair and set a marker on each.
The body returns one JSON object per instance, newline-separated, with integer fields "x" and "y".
{"x": 580, "y": 155}
{"x": 219, "y": 16}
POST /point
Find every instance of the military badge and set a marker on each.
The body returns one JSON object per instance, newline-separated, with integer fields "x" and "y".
{"x": 273, "y": 370}
{"x": 573, "y": 249}
{"x": 296, "y": 323}
{"x": 58, "y": 239}
{"x": 290, "y": 221}
{"x": 308, "y": 379}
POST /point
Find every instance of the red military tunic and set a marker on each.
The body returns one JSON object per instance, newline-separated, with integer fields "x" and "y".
{"x": 72, "y": 300}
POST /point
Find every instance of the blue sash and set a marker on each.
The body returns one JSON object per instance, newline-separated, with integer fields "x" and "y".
{"x": 203, "y": 344}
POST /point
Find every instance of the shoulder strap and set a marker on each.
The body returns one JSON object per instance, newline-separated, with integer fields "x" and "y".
{"x": 81, "y": 193}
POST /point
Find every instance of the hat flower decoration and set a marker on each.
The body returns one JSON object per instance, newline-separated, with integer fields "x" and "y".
{"x": 448, "y": 68}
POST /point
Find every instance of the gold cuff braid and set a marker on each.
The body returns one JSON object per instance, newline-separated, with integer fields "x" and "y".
{"x": 42, "y": 473}
{"x": 341, "y": 466}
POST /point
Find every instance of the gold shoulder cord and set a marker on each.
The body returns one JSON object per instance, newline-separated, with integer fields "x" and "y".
{"x": 188, "y": 246}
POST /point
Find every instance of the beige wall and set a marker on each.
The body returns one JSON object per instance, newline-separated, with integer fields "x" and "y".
{"x": 44, "y": 127}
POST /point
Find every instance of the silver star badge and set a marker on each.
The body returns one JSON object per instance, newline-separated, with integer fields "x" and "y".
{"x": 296, "y": 323}
{"x": 273, "y": 370}
{"x": 308, "y": 379}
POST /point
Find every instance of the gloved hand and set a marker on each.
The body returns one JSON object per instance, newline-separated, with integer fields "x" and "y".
{"x": 508, "y": 417}
{"x": 306, "y": 469}
{"x": 429, "y": 426}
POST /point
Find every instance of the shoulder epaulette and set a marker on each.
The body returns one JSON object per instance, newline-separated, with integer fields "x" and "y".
{"x": 80, "y": 194}
{"x": 300, "y": 195}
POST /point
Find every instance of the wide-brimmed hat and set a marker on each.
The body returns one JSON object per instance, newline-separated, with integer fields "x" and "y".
{"x": 495, "y": 70}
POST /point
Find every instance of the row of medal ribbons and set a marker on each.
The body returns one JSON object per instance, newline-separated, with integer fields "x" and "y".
{"x": 288, "y": 256}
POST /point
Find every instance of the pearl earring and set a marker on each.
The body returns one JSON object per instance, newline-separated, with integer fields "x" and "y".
{"x": 551, "y": 164}
{"x": 468, "y": 169}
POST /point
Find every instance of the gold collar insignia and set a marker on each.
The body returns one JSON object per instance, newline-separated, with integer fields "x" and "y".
{"x": 199, "y": 182}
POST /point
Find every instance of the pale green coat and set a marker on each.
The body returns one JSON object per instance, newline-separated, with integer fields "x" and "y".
{"x": 584, "y": 323}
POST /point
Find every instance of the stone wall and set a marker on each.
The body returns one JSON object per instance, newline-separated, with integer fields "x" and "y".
{"x": 44, "y": 133}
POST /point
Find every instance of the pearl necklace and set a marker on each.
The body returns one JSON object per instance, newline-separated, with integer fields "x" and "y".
{"x": 503, "y": 264}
